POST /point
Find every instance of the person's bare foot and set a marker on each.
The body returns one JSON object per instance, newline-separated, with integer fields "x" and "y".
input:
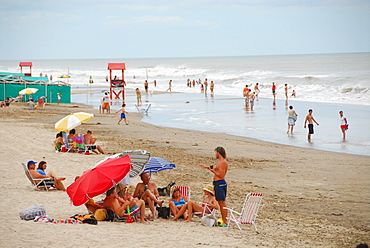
{"x": 160, "y": 203}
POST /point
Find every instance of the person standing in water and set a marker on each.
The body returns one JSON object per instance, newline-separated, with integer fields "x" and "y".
{"x": 292, "y": 117}
{"x": 310, "y": 120}
{"x": 343, "y": 124}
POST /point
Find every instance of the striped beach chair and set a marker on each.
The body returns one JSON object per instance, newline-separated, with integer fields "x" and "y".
{"x": 184, "y": 190}
{"x": 249, "y": 211}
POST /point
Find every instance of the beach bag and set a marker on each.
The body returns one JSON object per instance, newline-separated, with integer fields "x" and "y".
{"x": 208, "y": 220}
{"x": 100, "y": 214}
{"x": 295, "y": 117}
{"x": 31, "y": 212}
{"x": 164, "y": 212}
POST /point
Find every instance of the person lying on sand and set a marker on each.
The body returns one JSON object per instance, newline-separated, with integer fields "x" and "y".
{"x": 55, "y": 181}
{"x": 192, "y": 206}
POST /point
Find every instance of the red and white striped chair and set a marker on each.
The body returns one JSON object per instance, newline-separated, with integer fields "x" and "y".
{"x": 249, "y": 211}
{"x": 184, "y": 190}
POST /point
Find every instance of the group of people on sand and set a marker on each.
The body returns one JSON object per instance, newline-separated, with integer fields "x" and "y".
{"x": 118, "y": 198}
{"x": 76, "y": 142}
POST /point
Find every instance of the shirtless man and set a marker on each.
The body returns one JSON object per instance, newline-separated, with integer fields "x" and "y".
{"x": 310, "y": 120}
{"x": 119, "y": 205}
{"x": 146, "y": 85}
{"x": 54, "y": 181}
{"x": 219, "y": 182}
{"x": 148, "y": 192}
{"x": 90, "y": 140}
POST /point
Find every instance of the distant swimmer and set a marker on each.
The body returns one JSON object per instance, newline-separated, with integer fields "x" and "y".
{"x": 343, "y": 124}
{"x": 257, "y": 90}
{"x": 211, "y": 87}
{"x": 293, "y": 93}
{"x": 169, "y": 86}
{"x": 286, "y": 90}
{"x": 146, "y": 86}
{"x": 245, "y": 91}
{"x": 205, "y": 86}
{"x": 252, "y": 97}
{"x": 310, "y": 120}
{"x": 273, "y": 88}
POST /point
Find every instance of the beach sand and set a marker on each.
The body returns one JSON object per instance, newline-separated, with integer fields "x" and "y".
{"x": 311, "y": 198}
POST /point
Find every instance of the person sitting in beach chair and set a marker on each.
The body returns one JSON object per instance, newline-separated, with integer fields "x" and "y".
{"x": 209, "y": 202}
{"x": 59, "y": 142}
{"x": 177, "y": 201}
{"x": 148, "y": 192}
{"x": 90, "y": 143}
{"x": 119, "y": 206}
{"x": 55, "y": 181}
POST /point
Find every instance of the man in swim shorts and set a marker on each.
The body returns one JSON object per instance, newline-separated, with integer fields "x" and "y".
{"x": 310, "y": 120}
{"x": 219, "y": 183}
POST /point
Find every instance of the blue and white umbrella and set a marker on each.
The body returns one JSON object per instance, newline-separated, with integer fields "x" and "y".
{"x": 156, "y": 164}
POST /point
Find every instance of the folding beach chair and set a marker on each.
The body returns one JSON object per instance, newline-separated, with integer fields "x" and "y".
{"x": 142, "y": 109}
{"x": 249, "y": 211}
{"x": 184, "y": 190}
{"x": 41, "y": 181}
{"x": 206, "y": 210}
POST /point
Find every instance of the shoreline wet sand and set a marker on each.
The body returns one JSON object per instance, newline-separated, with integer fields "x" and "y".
{"x": 311, "y": 198}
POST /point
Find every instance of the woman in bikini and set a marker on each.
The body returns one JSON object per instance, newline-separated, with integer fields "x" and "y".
{"x": 209, "y": 200}
{"x": 177, "y": 201}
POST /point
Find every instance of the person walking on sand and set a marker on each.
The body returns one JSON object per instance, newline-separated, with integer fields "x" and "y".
{"x": 105, "y": 103}
{"x": 219, "y": 183}
{"x": 292, "y": 117}
{"x": 343, "y": 124}
{"x": 310, "y": 120}
{"x": 123, "y": 114}
{"x": 169, "y": 86}
{"x": 138, "y": 96}
{"x": 273, "y": 88}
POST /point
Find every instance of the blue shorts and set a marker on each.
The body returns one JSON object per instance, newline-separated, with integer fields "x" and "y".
{"x": 220, "y": 188}
{"x": 123, "y": 115}
{"x": 133, "y": 209}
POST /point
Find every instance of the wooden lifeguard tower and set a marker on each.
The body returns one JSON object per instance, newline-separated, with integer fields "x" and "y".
{"x": 117, "y": 85}
{"x": 26, "y": 64}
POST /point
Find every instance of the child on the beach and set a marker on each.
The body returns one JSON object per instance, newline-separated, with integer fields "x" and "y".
{"x": 123, "y": 114}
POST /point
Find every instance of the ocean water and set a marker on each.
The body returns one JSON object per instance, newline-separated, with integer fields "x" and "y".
{"x": 325, "y": 83}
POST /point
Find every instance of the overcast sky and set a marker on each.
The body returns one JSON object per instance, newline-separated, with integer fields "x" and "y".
{"x": 76, "y": 29}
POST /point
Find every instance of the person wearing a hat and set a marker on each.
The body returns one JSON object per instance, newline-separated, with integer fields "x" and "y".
{"x": 54, "y": 181}
{"x": 208, "y": 204}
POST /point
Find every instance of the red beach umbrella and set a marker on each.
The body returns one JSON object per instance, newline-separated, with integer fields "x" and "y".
{"x": 98, "y": 180}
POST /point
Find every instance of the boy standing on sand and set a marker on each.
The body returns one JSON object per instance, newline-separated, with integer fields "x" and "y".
{"x": 219, "y": 182}
{"x": 123, "y": 114}
{"x": 310, "y": 120}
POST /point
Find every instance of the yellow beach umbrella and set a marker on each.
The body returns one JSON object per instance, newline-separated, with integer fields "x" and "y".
{"x": 28, "y": 91}
{"x": 73, "y": 120}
